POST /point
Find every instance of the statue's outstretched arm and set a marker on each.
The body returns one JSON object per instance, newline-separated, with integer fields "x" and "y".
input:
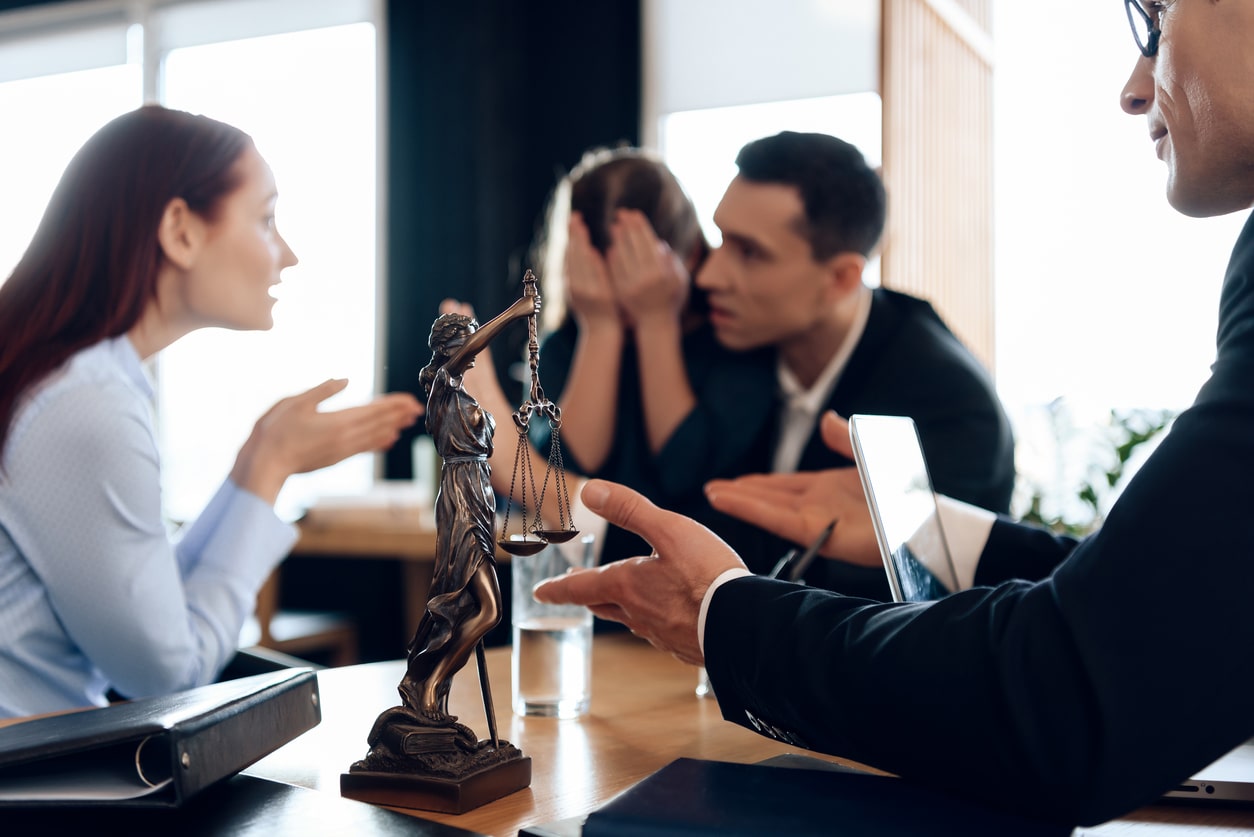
{"x": 526, "y": 306}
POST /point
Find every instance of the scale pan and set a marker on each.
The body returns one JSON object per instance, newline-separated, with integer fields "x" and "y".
{"x": 521, "y": 546}
{"x": 556, "y": 535}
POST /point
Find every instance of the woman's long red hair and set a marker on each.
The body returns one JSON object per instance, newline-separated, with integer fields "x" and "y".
{"x": 91, "y": 269}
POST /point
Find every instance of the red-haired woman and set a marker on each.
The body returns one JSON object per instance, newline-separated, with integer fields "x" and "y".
{"x": 163, "y": 223}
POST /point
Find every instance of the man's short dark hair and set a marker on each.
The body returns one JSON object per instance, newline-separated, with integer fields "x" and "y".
{"x": 843, "y": 197}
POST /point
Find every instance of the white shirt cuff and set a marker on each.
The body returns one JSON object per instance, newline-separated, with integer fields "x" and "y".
{"x": 966, "y": 530}
{"x": 727, "y": 575}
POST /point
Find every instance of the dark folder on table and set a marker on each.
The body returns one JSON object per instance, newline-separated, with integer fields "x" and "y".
{"x": 692, "y": 796}
{"x": 155, "y": 752}
{"x": 241, "y": 806}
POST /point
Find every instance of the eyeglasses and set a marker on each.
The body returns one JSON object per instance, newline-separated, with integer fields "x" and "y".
{"x": 1144, "y": 27}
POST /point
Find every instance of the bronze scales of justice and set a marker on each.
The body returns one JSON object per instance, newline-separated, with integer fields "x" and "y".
{"x": 420, "y": 756}
{"x": 534, "y": 536}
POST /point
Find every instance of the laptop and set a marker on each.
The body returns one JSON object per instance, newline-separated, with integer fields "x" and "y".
{"x": 920, "y": 566}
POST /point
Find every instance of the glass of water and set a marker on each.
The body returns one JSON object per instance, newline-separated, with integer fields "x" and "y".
{"x": 552, "y": 654}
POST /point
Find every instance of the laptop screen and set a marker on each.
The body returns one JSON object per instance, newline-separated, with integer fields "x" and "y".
{"x": 903, "y": 507}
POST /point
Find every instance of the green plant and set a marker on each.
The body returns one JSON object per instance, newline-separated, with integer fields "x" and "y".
{"x": 1112, "y": 456}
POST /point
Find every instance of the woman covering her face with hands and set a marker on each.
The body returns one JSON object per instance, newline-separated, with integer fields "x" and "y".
{"x": 648, "y": 396}
{"x": 620, "y": 242}
{"x": 162, "y": 224}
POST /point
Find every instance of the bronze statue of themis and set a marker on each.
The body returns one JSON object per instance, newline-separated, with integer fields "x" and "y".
{"x": 420, "y": 756}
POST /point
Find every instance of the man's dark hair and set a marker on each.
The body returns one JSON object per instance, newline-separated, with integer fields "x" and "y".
{"x": 843, "y": 197}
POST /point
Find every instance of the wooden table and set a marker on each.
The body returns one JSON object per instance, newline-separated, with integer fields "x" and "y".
{"x": 644, "y": 714}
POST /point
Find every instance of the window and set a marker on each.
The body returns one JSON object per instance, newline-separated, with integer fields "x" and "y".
{"x": 300, "y": 77}
{"x": 1085, "y": 236}
{"x": 700, "y": 146}
{"x": 1107, "y": 298}
{"x": 761, "y": 68}
{"x": 55, "y": 91}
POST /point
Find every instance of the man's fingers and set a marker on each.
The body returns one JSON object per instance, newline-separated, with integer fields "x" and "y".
{"x": 592, "y": 587}
{"x": 614, "y": 613}
{"x": 782, "y": 484}
{"x": 760, "y": 510}
{"x": 581, "y": 587}
{"x": 835, "y": 432}
{"x": 764, "y": 490}
{"x": 627, "y": 509}
{"x": 770, "y": 495}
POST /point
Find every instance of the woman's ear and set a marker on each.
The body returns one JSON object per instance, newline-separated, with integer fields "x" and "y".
{"x": 179, "y": 233}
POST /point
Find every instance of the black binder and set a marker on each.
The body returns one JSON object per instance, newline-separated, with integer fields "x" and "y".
{"x": 691, "y": 797}
{"x": 242, "y": 806}
{"x": 155, "y": 752}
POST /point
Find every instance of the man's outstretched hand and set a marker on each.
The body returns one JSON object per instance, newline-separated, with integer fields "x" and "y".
{"x": 797, "y": 506}
{"x": 658, "y": 597}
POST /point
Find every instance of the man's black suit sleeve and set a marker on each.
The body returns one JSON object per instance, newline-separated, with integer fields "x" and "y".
{"x": 1020, "y": 552}
{"x": 1078, "y": 697}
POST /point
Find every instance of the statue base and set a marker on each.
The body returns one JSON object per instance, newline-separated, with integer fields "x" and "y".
{"x": 435, "y": 793}
{"x": 433, "y": 764}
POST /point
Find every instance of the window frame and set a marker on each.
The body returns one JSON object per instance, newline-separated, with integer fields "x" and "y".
{"x": 107, "y": 33}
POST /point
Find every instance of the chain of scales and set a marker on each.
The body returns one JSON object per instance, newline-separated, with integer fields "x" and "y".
{"x": 532, "y": 534}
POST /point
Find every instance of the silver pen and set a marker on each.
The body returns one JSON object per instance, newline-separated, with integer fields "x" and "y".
{"x": 792, "y": 566}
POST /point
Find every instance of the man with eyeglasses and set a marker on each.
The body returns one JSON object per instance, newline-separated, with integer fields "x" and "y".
{"x": 1144, "y": 20}
{"x": 1074, "y": 681}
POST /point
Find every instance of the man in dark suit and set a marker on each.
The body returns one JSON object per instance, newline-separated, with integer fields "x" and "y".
{"x": 1095, "y": 675}
{"x": 798, "y": 332}
{"x": 798, "y": 223}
